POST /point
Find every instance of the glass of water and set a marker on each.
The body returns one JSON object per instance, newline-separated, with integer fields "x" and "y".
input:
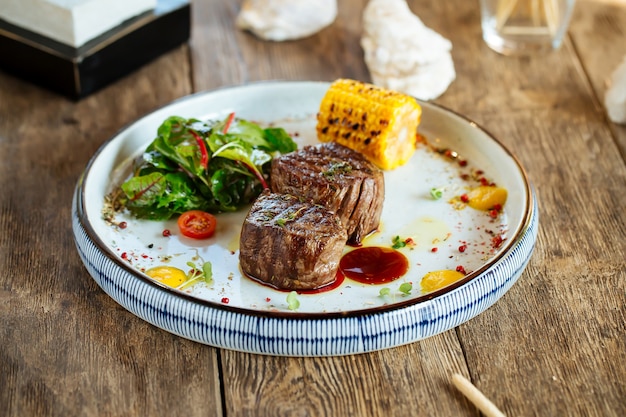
{"x": 513, "y": 27}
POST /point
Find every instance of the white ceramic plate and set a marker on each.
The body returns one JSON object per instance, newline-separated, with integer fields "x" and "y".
{"x": 236, "y": 313}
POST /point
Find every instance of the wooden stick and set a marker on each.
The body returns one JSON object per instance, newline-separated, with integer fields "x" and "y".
{"x": 552, "y": 15}
{"x": 476, "y": 397}
{"x": 536, "y": 17}
{"x": 504, "y": 10}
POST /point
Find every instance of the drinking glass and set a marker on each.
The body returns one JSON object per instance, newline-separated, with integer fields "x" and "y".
{"x": 513, "y": 27}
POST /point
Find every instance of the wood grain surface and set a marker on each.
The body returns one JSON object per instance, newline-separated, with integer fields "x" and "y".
{"x": 554, "y": 345}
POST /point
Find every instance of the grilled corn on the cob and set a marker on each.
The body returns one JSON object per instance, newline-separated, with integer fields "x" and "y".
{"x": 379, "y": 123}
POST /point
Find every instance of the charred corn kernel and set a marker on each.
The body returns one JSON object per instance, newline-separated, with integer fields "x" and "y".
{"x": 381, "y": 124}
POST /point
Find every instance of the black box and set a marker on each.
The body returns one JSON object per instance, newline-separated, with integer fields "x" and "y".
{"x": 77, "y": 72}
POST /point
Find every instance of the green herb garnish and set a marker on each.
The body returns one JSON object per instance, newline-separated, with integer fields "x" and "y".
{"x": 282, "y": 221}
{"x": 436, "y": 193}
{"x": 292, "y": 301}
{"x": 384, "y": 291}
{"x": 337, "y": 168}
{"x": 202, "y": 274}
{"x": 397, "y": 242}
{"x": 406, "y": 288}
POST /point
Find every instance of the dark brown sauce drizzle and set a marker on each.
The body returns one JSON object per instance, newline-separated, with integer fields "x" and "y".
{"x": 373, "y": 265}
{"x": 328, "y": 287}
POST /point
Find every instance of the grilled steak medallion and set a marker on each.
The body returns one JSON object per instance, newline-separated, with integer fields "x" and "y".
{"x": 338, "y": 178}
{"x": 290, "y": 243}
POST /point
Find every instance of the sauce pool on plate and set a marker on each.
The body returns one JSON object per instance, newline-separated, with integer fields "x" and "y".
{"x": 373, "y": 265}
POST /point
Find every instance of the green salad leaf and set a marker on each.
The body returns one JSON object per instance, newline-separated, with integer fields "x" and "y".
{"x": 214, "y": 166}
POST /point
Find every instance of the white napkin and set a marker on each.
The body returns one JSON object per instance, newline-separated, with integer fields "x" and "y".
{"x": 72, "y": 22}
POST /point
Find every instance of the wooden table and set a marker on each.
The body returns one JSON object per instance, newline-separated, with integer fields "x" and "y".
{"x": 554, "y": 345}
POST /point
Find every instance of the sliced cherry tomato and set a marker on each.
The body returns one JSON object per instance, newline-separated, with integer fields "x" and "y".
{"x": 197, "y": 224}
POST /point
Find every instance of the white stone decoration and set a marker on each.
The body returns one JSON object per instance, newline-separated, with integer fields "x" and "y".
{"x": 281, "y": 20}
{"x": 403, "y": 54}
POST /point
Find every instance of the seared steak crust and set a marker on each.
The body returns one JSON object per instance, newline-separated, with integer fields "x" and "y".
{"x": 338, "y": 178}
{"x": 290, "y": 243}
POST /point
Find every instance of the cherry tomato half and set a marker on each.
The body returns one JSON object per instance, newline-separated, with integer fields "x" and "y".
{"x": 197, "y": 224}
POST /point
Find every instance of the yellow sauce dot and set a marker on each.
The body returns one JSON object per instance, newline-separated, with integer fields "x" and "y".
{"x": 168, "y": 275}
{"x": 438, "y": 279}
{"x": 487, "y": 197}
